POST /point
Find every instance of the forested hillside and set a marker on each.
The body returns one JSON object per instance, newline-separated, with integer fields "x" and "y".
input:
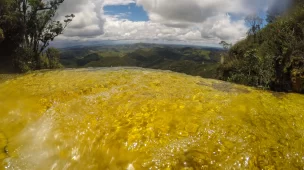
{"x": 273, "y": 57}
{"x": 198, "y": 61}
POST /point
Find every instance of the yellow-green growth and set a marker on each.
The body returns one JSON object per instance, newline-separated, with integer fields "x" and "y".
{"x": 1, "y": 35}
{"x": 145, "y": 119}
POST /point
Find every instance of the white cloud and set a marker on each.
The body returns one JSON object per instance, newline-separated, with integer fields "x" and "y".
{"x": 222, "y": 27}
{"x": 210, "y": 15}
{"x": 118, "y": 2}
{"x": 122, "y": 29}
{"x": 88, "y": 21}
{"x": 212, "y": 30}
{"x": 195, "y": 11}
{"x": 189, "y": 21}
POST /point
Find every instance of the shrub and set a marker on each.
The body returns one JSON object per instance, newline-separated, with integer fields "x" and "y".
{"x": 275, "y": 60}
{"x": 24, "y": 59}
{"x": 52, "y": 58}
{"x": 44, "y": 62}
{"x": 251, "y": 70}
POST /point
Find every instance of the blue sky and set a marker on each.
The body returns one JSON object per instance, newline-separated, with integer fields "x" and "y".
{"x": 131, "y": 12}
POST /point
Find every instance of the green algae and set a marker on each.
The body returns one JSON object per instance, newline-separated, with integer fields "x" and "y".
{"x": 145, "y": 119}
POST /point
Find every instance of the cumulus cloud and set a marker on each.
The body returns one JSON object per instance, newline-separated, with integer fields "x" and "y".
{"x": 200, "y": 10}
{"x": 210, "y": 31}
{"x": 212, "y": 16}
{"x": 196, "y": 21}
{"x": 223, "y": 28}
{"x": 117, "y": 29}
{"x": 194, "y": 11}
{"x": 88, "y": 21}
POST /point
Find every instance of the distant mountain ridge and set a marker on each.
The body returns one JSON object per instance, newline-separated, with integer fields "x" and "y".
{"x": 201, "y": 61}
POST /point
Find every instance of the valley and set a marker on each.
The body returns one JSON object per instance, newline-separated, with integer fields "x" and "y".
{"x": 191, "y": 60}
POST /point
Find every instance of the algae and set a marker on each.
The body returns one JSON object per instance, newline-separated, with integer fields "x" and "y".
{"x": 146, "y": 119}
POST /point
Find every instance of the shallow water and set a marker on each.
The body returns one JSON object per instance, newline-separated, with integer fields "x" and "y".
{"x": 145, "y": 119}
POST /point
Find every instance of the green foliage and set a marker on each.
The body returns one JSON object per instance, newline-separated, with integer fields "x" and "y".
{"x": 30, "y": 24}
{"x": 1, "y": 35}
{"x": 275, "y": 58}
{"x": 253, "y": 70}
{"x": 193, "y": 61}
{"x": 53, "y": 57}
{"x": 40, "y": 28}
{"x": 255, "y": 23}
{"x": 12, "y": 27}
{"x": 225, "y": 45}
{"x": 24, "y": 59}
{"x": 87, "y": 59}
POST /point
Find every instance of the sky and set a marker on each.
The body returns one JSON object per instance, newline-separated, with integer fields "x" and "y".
{"x": 193, "y": 22}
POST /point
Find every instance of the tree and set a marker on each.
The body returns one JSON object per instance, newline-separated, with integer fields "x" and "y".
{"x": 33, "y": 23}
{"x": 39, "y": 27}
{"x": 11, "y": 26}
{"x": 53, "y": 56}
{"x": 277, "y": 61}
{"x": 255, "y": 23}
{"x": 225, "y": 45}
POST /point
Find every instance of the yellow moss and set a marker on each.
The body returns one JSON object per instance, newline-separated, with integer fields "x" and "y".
{"x": 144, "y": 119}
{"x": 3, "y": 145}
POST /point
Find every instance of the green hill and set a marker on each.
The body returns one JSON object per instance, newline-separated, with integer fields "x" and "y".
{"x": 190, "y": 60}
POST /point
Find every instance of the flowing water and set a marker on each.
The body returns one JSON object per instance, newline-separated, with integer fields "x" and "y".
{"x": 143, "y": 119}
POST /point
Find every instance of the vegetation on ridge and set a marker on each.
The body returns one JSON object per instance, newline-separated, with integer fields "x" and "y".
{"x": 272, "y": 58}
{"x": 197, "y": 61}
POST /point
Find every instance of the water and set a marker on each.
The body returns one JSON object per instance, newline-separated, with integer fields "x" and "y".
{"x": 143, "y": 119}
